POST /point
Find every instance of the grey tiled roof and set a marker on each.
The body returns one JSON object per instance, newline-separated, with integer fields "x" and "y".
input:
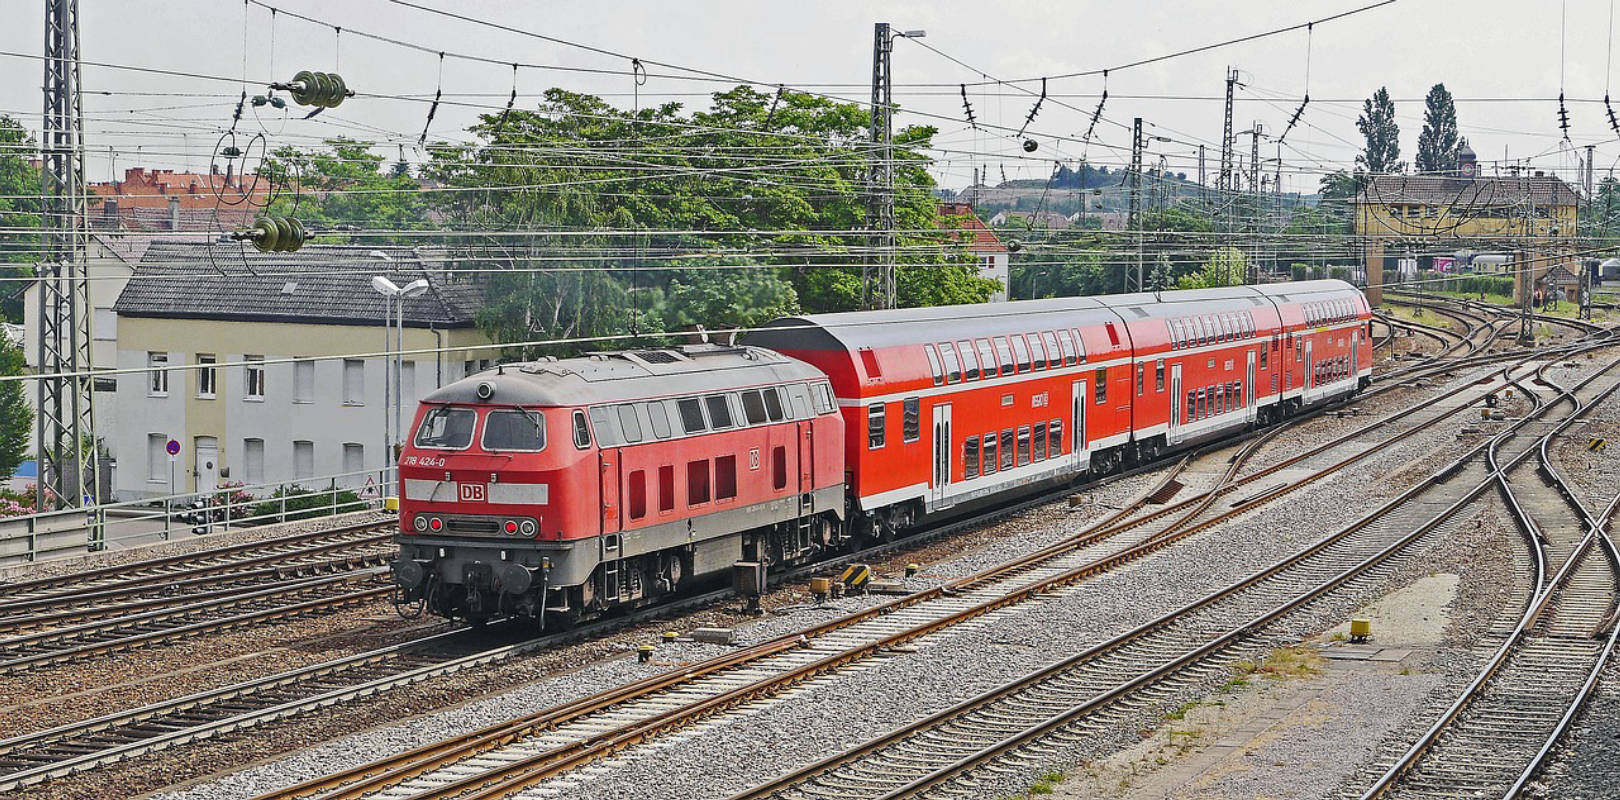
{"x": 318, "y": 284}
{"x": 1438, "y": 190}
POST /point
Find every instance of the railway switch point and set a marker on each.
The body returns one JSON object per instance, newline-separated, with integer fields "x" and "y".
{"x": 1360, "y": 630}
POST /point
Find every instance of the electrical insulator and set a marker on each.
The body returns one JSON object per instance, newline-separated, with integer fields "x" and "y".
{"x": 275, "y": 234}
{"x": 1030, "y": 145}
{"x": 321, "y": 89}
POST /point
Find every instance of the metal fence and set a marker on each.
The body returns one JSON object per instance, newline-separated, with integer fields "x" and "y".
{"x": 135, "y": 522}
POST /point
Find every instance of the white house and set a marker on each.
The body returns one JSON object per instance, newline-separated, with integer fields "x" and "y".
{"x": 983, "y": 245}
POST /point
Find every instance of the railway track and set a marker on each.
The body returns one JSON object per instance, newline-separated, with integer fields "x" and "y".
{"x": 1014, "y": 725}
{"x": 557, "y": 740}
{"x": 1500, "y": 729}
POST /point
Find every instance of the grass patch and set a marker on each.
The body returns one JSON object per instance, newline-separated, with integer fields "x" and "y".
{"x": 1046, "y": 783}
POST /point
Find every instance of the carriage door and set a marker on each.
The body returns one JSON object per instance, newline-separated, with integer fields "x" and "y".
{"x": 1355, "y": 345}
{"x": 1310, "y": 374}
{"x": 1248, "y": 390}
{"x": 942, "y": 455}
{"x": 1077, "y": 422}
{"x": 1176, "y": 407}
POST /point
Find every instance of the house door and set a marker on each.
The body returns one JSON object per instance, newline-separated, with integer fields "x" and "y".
{"x": 1177, "y": 409}
{"x": 206, "y": 464}
{"x": 942, "y": 455}
{"x": 1077, "y": 423}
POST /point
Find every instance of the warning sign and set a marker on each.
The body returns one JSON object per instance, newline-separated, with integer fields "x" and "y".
{"x": 371, "y": 488}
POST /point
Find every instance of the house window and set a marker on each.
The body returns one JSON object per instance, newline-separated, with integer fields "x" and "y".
{"x": 156, "y": 456}
{"x": 253, "y": 461}
{"x": 1039, "y": 442}
{"x": 725, "y": 477}
{"x": 158, "y": 385}
{"x": 638, "y": 494}
{"x": 1158, "y": 375}
{"x": 990, "y": 459}
{"x": 666, "y": 488}
{"x": 303, "y": 460}
{"x": 354, "y": 382}
{"x": 1023, "y": 445}
{"x": 206, "y": 375}
{"x": 407, "y": 382}
{"x": 970, "y": 457}
{"x": 253, "y": 378}
{"x": 874, "y": 426}
{"x": 1100, "y": 386}
{"x": 354, "y": 458}
{"x": 697, "y": 482}
{"x": 912, "y": 429}
{"x": 303, "y": 381}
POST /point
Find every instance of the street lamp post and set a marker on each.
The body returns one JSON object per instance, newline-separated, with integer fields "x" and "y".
{"x": 393, "y": 323}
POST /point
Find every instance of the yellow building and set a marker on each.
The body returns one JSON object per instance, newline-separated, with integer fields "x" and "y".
{"x": 1530, "y": 215}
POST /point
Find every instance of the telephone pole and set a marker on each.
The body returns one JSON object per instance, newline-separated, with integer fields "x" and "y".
{"x": 66, "y": 445}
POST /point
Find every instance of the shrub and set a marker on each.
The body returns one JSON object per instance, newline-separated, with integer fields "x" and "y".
{"x": 301, "y": 503}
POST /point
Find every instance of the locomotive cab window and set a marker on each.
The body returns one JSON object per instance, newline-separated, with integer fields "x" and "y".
{"x": 753, "y": 407}
{"x": 446, "y": 428}
{"x": 719, "y": 411}
{"x": 523, "y": 431}
{"x": 582, "y": 431}
{"x": 691, "y": 412}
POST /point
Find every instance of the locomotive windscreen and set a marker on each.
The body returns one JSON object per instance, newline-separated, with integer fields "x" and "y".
{"x": 446, "y": 428}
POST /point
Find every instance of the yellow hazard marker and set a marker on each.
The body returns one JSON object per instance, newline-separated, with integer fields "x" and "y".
{"x": 856, "y": 576}
{"x": 1360, "y": 630}
{"x": 1597, "y": 445}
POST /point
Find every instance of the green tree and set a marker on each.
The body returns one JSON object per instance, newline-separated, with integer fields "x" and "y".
{"x": 19, "y": 209}
{"x": 16, "y": 417}
{"x": 1438, "y": 144}
{"x": 721, "y": 298}
{"x": 343, "y": 183}
{"x": 1227, "y": 266}
{"x": 1382, "y": 151}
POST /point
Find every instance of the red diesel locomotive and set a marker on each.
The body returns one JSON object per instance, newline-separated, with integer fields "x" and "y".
{"x": 559, "y": 488}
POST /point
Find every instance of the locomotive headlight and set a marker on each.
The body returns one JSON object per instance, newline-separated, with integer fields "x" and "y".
{"x": 527, "y": 527}
{"x": 435, "y": 523}
{"x": 420, "y": 523}
{"x": 511, "y": 527}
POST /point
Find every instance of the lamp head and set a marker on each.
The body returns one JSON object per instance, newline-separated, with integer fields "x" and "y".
{"x": 384, "y": 285}
{"x": 414, "y": 288}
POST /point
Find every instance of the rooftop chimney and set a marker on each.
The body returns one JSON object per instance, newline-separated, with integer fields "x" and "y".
{"x": 174, "y": 213}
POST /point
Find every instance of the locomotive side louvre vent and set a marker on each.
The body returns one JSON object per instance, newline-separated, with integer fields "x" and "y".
{"x": 657, "y": 356}
{"x": 1139, "y": 312}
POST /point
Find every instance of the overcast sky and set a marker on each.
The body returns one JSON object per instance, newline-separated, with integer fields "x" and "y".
{"x": 1502, "y": 59}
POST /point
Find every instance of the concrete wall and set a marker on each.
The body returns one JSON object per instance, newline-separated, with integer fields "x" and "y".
{"x": 279, "y": 419}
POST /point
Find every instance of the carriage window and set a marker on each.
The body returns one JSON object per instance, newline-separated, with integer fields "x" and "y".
{"x": 1007, "y": 449}
{"x": 1100, "y": 387}
{"x": 1158, "y": 375}
{"x": 1176, "y": 335}
{"x": 659, "y": 419}
{"x": 1021, "y": 351}
{"x": 990, "y": 459}
{"x": 638, "y": 494}
{"x": 753, "y": 407}
{"x": 1023, "y": 445}
{"x": 987, "y": 357}
{"x": 1005, "y": 355}
{"x": 875, "y": 418}
{"x": 1054, "y": 355}
{"x": 629, "y": 423}
{"x": 1066, "y": 344}
{"x": 934, "y": 364}
{"x": 1080, "y": 345}
{"x": 719, "y": 411}
{"x": 666, "y": 488}
{"x": 773, "y": 404}
{"x": 912, "y": 420}
{"x": 953, "y": 367}
{"x": 1054, "y": 439}
{"x": 1037, "y": 351}
{"x": 1191, "y": 411}
{"x": 1141, "y": 376}
{"x": 970, "y": 457}
{"x": 1237, "y": 393}
{"x": 697, "y": 482}
{"x": 582, "y": 432}
{"x": 970, "y": 361}
{"x": 515, "y": 430}
{"x": 691, "y": 414}
{"x": 1039, "y": 442}
{"x": 446, "y": 428}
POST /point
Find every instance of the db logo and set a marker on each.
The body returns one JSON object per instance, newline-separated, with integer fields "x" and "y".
{"x": 471, "y": 492}
{"x": 753, "y": 458}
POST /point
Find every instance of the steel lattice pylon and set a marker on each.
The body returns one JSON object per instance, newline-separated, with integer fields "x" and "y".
{"x": 66, "y": 424}
{"x": 877, "y": 276}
